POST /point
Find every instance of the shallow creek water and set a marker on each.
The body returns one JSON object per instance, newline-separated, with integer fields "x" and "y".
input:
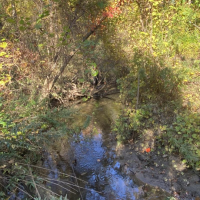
{"x": 92, "y": 156}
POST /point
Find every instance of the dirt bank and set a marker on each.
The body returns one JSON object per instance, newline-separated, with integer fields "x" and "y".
{"x": 157, "y": 169}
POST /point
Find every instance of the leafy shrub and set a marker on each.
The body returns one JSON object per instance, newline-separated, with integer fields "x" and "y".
{"x": 183, "y": 136}
{"x": 157, "y": 81}
{"x": 22, "y": 142}
{"x": 129, "y": 124}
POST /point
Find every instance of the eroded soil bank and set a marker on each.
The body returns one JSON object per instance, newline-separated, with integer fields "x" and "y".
{"x": 117, "y": 171}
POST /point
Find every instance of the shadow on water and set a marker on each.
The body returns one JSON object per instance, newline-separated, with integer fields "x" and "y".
{"x": 92, "y": 158}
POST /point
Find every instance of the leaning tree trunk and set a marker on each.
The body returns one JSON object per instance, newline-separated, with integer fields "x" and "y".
{"x": 52, "y": 78}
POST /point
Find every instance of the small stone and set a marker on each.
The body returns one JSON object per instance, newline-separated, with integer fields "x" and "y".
{"x": 156, "y": 164}
{"x": 117, "y": 166}
{"x": 165, "y": 179}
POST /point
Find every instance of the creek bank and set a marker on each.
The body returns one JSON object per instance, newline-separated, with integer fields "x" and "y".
{"x": 160, "y": 170}
{"x": 96, "y": 157}
{"x": 94, "y": 160}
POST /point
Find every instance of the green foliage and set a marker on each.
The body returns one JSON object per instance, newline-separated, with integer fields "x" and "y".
{"x": 183, "y": 136}
{"x": 27, "y": 137}
{"x": 130, "y": 124}
{"x": 94, "y": 71}
{"x": 157, "y": 81}
{"x": 151, "y": 46}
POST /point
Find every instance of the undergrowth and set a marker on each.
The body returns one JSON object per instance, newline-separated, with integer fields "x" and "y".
{"x": 183, "y": 136}
{"x": 22, "y": 143}
{"x": 130, "y": 123}
{"x": 178, "y": 132}
{"x": 27, "y": 126}
{"x": 168, "y": 101}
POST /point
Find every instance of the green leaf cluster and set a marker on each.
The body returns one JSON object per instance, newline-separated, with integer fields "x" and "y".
{"x": 183, "y": 136}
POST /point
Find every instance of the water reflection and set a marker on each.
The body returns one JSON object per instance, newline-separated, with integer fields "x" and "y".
{"x": 92, "y": 158}
{"x": 88, "y": 152}
{"x": 103, "y": 175}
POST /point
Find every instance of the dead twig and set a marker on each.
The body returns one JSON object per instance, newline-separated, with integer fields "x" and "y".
{"x": 34, "y": 182}
{"x": 67, "y": 175}
{"x": 77, "y": 182}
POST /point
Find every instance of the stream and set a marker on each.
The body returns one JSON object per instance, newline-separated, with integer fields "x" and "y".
{"x": 93, "y": 157}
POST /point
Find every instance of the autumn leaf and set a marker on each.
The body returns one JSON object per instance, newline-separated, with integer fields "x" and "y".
{"x": 3, "y": 45}
{"x": 3, "y": 53}
{"x": 148, "y": 150}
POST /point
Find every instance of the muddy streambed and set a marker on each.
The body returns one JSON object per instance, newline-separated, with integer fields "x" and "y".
{"x": 95, "y": 157}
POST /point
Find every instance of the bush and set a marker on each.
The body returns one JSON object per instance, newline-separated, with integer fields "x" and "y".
{"x": 130, "y": 124}
{"x": 22, "y": 142}
{"x": 156, "y": 81}
{"x": 183, "y": 136}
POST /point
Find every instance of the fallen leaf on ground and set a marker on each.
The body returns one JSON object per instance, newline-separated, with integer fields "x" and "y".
{"x": 148, "y": 150}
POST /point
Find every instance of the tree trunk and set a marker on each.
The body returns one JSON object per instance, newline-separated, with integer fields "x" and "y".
{"x": 52, "y": 79}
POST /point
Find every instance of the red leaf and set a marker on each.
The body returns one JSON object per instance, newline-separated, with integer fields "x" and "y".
{"x": 148, "y": 150}
{"x": 110, "y": 15}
